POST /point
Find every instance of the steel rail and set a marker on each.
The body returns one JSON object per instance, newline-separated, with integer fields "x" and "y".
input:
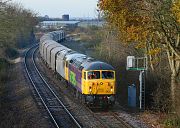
{"x": 67, "y": 111}
{"x": 50, "y": 114}
{"x": 122, "y": 120}
{"x": 57, "y": 98}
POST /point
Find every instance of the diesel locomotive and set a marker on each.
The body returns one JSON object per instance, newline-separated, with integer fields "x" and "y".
{"x": 91, "y": 79}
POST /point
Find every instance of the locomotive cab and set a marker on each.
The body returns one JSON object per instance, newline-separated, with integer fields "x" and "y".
{"x": 99, "y": 82}
{"x": 98, "y": 85}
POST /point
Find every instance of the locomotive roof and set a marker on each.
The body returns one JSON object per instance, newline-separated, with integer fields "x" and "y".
{"x": 74, "y": 55}
{"x": 97, "y": 65}
{"x": 87, "y": 63}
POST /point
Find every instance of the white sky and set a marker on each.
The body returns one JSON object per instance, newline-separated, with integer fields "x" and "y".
{"x": 56, "y": 8}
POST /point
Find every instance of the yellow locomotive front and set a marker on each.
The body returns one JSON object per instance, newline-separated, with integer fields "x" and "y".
{"x": 98, "y": 85}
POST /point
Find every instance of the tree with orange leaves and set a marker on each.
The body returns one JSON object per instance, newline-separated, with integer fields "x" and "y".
{"x": 152, "y": 25}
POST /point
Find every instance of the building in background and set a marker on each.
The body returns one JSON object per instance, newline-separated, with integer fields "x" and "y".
{"x": 59, "y": 24}
{"x": 65, "y": 17}
{"x": 46, "y": 16}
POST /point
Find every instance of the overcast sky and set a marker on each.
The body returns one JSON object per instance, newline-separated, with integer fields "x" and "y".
{"x": 56, "y": 8}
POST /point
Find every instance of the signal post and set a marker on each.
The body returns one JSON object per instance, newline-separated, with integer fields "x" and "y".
{"x": 139, "y": 64}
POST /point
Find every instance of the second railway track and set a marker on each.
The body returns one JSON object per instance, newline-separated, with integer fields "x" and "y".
{"x": 57, "y": 111}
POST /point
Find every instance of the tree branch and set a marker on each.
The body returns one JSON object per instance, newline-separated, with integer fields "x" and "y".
{"x": 177, "y": 43}
{"x": 176, "y": 52}
{"x": 168, "y": 42}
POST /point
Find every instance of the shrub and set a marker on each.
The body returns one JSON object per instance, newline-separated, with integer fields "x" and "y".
{"x": 4, "y": 65}
{"x": 11, "y": 52}
{"x": 173, "y": 122}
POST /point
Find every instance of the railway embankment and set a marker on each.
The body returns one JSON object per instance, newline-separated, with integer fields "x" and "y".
{"x": 17, "y": 107}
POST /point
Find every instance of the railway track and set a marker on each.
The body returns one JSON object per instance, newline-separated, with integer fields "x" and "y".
{"x": 58, "y": 113}
{"x": 111, "y": 120}
{"x": 85, "y": 115}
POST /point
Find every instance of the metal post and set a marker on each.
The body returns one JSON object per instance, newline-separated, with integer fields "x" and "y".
{"x": 142, "y": 68}
{"x": 141, "y": 89}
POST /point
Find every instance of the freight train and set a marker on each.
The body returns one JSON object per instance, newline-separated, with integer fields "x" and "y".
{"x": 93, "y": 81}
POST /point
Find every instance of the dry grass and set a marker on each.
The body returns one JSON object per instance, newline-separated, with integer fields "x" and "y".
{"x": 18, "y": 108}
{"x": 154, "y": 120}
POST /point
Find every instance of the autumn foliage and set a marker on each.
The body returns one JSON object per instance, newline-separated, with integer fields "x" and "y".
{"x": 152, "y": 26}
{"x": 125, "y": 15}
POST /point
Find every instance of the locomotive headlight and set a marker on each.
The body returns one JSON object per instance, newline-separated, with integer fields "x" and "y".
{"x": 90, "y": 88}
{"x": 111, "y": 88}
